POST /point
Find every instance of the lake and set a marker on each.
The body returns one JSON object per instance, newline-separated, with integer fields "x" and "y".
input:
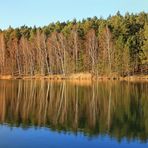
{"x": 73, "y": 114}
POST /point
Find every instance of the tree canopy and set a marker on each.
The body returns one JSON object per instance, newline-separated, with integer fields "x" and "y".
{"x": 116, "y": 45}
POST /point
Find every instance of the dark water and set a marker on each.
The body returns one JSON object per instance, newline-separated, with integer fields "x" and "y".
{"x": 70, "y": 114}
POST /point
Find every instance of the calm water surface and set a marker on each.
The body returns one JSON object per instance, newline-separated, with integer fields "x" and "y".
{"x": 47, "y": 114}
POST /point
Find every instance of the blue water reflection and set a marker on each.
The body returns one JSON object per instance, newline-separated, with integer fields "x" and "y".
{"x": 45, "y": 138}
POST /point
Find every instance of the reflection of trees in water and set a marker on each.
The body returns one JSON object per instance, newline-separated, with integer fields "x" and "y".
{"x": 119, "y": 109}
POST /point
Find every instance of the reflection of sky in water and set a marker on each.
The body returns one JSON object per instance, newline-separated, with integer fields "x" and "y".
{"x": 45, "y": 138}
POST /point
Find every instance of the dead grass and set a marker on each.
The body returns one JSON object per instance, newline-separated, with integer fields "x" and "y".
{"x": 6, "y": 77}
{"x": 79, "y": 77}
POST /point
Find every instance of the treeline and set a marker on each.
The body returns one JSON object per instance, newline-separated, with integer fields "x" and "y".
{"x": 116, "y": 45}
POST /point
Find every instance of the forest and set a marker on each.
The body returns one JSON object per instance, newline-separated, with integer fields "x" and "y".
{"x": 117, "y": 45}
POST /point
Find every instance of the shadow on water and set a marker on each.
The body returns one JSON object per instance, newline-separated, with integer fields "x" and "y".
{"x": 117, "y": 109}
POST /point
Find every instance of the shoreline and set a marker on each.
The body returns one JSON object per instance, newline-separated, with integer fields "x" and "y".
{"x": 79, "y": 77}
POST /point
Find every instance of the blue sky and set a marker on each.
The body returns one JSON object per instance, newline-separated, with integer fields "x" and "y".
{"x": 42, "y": 12}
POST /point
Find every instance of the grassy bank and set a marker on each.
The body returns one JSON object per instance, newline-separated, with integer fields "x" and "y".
{"x": 78, "y": 76}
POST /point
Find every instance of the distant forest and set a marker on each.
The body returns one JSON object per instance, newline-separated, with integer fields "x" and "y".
{"x": 117, "y": 45}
